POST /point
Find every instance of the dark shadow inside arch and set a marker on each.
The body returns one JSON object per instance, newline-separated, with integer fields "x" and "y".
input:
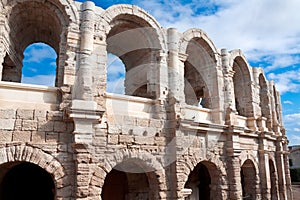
{"x": 199, "y": 181}
{"x": 130, "y": 180}
{"x": 25, "y": 181}
{"x": 197, "y": 68}
{"x": 273, "y": 178}
{"x": 248, "y": 180}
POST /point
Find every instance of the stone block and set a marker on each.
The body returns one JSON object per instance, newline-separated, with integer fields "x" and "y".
{"x": 29, "y": 125}
{"x": 52, "y": 137}
{"x": 7, "y": 124}
{"x": 7, "y": 114}
{"x": 100, "y": 141}
{"x": 40, "y": 115}
{"x": 38, "y": 136}
{"x": 60, "y": 126}
{"x": 112, "y": 139}
{"x": 125, "y": 138}
{"x": 155, "y": 123}
{"x": 46, "y": 126}
{"x": 23, "y": 136}
{"x": 25, "y": 114}
{"x": 143, "y": 140}
{"x": 6, "y": 136}
{"x": 142, "y": 122}
{"x": 160, "y": 141}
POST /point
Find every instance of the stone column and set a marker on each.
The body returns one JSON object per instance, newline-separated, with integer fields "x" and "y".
{"x": 281, "y": 169}
{"x": 229, "y": 102}
{"x": 264, "y": 169}
{"x": 83, "y": 110}
{"x": 2, "y": 55}
{"x": 175, "y": 79}
{"x": 233, "y": 165}
{"x": 287, "y": 172}
{"x": 2, "y": 48}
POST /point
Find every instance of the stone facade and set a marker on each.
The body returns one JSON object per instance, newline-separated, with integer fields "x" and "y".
{"x": 196, "y": 122}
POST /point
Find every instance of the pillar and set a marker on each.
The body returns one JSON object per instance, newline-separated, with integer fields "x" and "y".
{"x": 233, "y": 165}
{"x": 229, "y": 102}
{"x": 281, "y": 169}
{"x": 176, "y": 84}
{"x": 264, "y": 169}
{"x": 83, "y": 110}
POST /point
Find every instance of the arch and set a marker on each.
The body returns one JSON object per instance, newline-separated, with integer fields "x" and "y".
{"x": 215, "y": 167}
{"x": 32, "y": 71}
{"x": 68, "y": 7}
{"x": 192, "y": 33}
{"x": 246, "y": 155}
{"x": 114, "y": 11}
{"x": 51, "y": 25}
{"x": 273, "y": 180}
{"x": 277, "y": 107}
{"x": 200, "y": 68}
{"x": 123, "y": 160}
{"x": 24, "y": 180}
{"x": 265, "y": 103}
{"x": 137, "y": 39}
{"x": 24, "y": 153}
{"x": 203, "y": 181}
{"x": 249, "y": 180}
{"x": 130, "y": 179}
{"x": 242, "y": 79}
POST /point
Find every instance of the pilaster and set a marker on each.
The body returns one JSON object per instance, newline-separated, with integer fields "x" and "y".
{"x": 281, "y": 169}
{"x": 233, "y": 165}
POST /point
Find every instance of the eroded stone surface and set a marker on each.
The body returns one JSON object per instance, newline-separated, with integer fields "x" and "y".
{"x": 197, "y": 122}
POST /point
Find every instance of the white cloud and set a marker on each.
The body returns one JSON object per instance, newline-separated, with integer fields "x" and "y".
{"x": 288, "y": 102}
{"x": 287, "y": 81}
{"x": 116, "y": 86}
{"x": 294, "y": 139}
{"x": 292, "y": 118}
{"x": 48, "y": 80}
{"x": 38, "y": 52}
{"x": 262, "y": 29}
{"x": 282, "y": 61}
{"x": 297, "y": 129}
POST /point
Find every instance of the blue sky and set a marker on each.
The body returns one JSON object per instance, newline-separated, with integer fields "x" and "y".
{"x": 267, "y": 31}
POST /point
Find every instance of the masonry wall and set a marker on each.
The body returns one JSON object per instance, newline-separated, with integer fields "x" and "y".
{"x": 158, "y": 141}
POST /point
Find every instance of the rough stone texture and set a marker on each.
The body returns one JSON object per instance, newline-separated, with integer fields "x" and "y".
{"x": 197, "y": 122}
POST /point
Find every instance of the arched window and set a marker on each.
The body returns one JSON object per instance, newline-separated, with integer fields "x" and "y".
{"x": 198, "y": 74}
{"x": 204, "y": 182}
{"x": 23, "y": 180}
{"x": 248, "y": 180}
{"x": 242, "y": 87}
{"x": 115, "y": 74}
{"x": 27, "y": 27}
{"x": 39, "y": 65}
{"x": 131, "y": 179}
{"x": 135, "y": 43}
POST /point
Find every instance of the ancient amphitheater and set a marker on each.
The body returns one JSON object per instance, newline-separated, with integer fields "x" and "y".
{"x": 197, "y": 122}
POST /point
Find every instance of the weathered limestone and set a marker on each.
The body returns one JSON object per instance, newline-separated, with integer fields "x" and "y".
{"x": 197, "y": 122}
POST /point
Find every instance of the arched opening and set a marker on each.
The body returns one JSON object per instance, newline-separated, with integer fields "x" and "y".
{"x": 136, "y": 44}
{"x": 241, "y": 79}
{"x": 198, "y": 73}
{"x": 130, "y": 181}
{"x": 277, "y": 106}
{"x": 273, "y": 179}
{"x": 26, "y": 27}
{"x": 204, "y": 182}
{"x": 264, "y": 103}
{"x": 39, "y": 65}
{"x": 248, "y": 180}
{"x": 23, "y": 180}
{"x": 115, "y": 75}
